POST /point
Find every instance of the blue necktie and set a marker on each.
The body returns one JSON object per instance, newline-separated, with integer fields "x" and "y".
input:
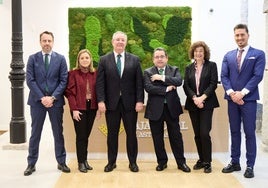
{"x": 118, "y": 64}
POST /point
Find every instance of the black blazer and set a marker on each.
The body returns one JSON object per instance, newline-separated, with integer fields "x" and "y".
{"x": 208, "y": 85}
{"x": 109, "y": 85}
{"x": 157, "y": 93}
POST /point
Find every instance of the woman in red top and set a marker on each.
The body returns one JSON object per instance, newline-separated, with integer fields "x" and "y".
{"x": 81, "y": 96}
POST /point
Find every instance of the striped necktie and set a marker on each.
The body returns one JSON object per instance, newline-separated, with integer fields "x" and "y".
{"x": 239, "y": 59}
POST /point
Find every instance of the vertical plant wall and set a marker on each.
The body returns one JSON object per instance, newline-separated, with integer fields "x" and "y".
{"x": 146, "y": 28}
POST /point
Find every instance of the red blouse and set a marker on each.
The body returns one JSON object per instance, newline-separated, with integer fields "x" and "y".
{"x": 76, "y": 89}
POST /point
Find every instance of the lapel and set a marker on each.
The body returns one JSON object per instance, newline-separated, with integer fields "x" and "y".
{"x": 41, "y": 63}
{"x": 245, "y": 61}
{"x": 112, "y": 64}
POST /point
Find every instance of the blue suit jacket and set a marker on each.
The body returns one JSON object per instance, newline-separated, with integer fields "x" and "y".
{"x": 55, "y": 78}
{"x": 250, "y": 75}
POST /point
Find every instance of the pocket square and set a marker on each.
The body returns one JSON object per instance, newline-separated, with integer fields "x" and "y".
{"x": 251, "y": 58}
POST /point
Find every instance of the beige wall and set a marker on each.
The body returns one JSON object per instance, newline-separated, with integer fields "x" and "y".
{"x": 97, "y": 141}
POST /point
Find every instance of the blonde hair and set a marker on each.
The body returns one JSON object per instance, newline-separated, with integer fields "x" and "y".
{"x": 90, "y": 67}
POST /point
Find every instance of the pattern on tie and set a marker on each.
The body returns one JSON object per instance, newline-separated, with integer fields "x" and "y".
{"x": 161, "y": 71}
{"x": 118, "y": 64}
{"x": 239, "y": 59}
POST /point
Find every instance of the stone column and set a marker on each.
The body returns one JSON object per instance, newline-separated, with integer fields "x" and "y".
{"x": 264, "y": 130}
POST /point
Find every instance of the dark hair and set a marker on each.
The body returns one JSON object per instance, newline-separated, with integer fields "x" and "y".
{"x": 161, "y": 49}
{"x": 48, "y": 33}
{"x": 241, "y": 26}
{"x": 199, "y": 44}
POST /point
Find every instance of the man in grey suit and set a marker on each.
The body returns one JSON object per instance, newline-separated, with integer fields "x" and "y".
{"x": 120, "y": 95}
{"x": 163, "y": 105}
{"x": 46, "y": 77}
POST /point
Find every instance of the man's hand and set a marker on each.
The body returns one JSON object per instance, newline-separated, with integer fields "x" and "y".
{"x": 47, "y": 101}
{"x": 102, "y": 107}
{"x": 139, "y": 106}
{"x": 170, "y": 88}
{"x": 237, "y": 97}
{"x": 156, "y": 77}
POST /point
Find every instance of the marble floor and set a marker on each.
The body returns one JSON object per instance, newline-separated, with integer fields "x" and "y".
{"x": 13, "y": 163}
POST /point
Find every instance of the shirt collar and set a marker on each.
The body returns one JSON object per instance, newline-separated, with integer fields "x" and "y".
{"x": 245, "y": 49}
{"x": 43, "y": 53}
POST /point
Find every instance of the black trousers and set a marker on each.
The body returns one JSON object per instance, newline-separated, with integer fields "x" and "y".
{"x": 202, "y": 123}
{"x": 113, "y": 120}
{"x": 82, "y": 130}
{"x": 175, "y": 138}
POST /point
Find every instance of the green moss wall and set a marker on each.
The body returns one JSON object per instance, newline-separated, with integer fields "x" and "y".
{"x": 147, "y": 28}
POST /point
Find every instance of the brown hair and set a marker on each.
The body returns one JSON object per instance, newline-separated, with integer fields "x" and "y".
{"x": 199, "y": 44}
{"x": 48, "y": 33}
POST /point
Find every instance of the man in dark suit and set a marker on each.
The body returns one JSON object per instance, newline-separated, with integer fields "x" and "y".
{"x": 120, "y": 95}
{"x": 46, "y": 77}
{"x": 163, "y": 105}
{"x": 240, "y": 76}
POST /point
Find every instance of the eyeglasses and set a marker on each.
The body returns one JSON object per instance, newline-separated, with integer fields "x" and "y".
{"x": 160, "y": 57}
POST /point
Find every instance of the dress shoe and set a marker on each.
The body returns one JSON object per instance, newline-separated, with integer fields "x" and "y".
{"x": 133, "y": 167}
{"x": 231, "y": 168}
{"x": 249, "y": 173}
{"x": 109, "y": 167}
{"x": 207, "y": 168}
{"x": 88, "y": 166}
{"x": 198, "y": 165}
{"x": 184, "y": 167}
{"x": 161, "y": 167}
{"x": 29, "y": 170}
{"x": 82, "y": 167}
{"x": 64, "y": 168}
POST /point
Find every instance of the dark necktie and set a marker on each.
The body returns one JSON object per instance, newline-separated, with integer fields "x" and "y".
{"x": 46, "y": 67}
{"x": 239, "y": 59}
{"x": 118, "y": 64}
{"x": 46, "y": 62}
{"x": 161, "y": 71}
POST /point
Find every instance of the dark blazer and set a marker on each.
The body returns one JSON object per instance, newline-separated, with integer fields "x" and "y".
{"x": 157, "y": 93}
{"x": 250, "y": 75}
{"x": 110, "y": 86}
{"x": 36, "y": 78}
{"x": 76, "y": 89}
{"x": 208, "y": 85}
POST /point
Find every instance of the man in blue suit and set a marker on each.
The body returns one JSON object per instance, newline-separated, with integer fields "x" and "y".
{"x": 46, "y": 77}
{"x": 240, "y": 76}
